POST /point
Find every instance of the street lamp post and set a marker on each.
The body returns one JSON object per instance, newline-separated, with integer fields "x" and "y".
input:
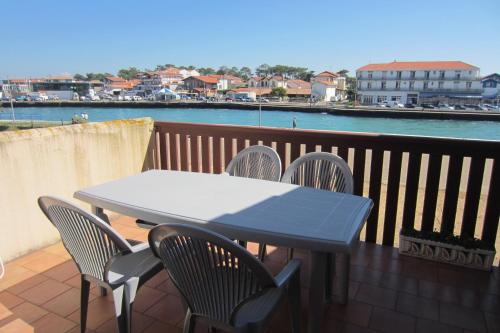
{"x": 260, "y": 106}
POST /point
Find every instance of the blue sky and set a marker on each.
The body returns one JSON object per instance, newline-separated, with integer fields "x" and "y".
{"x": 42, "y": 37}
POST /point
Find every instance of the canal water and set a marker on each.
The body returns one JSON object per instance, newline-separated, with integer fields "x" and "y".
{"x": 427, "y": 127}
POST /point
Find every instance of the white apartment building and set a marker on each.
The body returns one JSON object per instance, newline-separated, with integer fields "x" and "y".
{"x": 419, "y": 82}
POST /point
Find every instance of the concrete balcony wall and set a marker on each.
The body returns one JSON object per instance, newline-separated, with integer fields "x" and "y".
{"x": 58, "y": 161}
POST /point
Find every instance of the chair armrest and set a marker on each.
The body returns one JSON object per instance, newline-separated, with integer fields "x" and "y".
{"x": 292, "y": 268}
{"x": 145, "y": 224}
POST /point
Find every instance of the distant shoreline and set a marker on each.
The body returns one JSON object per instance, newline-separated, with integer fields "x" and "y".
{"x": 299, "y": 107}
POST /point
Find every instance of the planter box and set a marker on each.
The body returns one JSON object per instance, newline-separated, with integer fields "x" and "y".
{"x": 442, "y": 252}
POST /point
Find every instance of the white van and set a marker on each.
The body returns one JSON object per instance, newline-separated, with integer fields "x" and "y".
{"x": 395, "y": 104}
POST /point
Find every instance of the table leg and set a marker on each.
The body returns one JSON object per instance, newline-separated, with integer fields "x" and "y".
{"x": 316, "y": 291}
{"x": 344, "y": 267}
{"x": 99, "y": 212}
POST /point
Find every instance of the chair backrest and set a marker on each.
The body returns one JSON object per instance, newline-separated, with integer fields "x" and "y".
{"x": 259, "y": 162}
{"x": 322, "y": 171}
{"x": 89, "y": 240}
{"x": 214, "y": 274}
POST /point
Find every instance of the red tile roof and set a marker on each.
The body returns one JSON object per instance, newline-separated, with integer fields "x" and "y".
{"x": 328, "y": 74}
{"x": 115, "y": 79}
{"x": 205, "y": 78}
{"x": 418, "y": 65}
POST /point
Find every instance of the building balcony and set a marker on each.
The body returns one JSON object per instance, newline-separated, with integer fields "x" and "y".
{"x": 417, "y": 89}
{"x": 420, "y": 182}
{"x": 418, "y": 78}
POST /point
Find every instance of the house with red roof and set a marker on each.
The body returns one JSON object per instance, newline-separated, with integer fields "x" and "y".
{"x": 416, "y": 82}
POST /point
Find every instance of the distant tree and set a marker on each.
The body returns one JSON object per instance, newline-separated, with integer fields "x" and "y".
{"x": 279, "y": 91}
{"x": 222, "y": 70}
{"x": 190, "y": 67}
{"x": 206, "y": 71}
{"x": 245, "y": 73}
{"x": 233, "y": 71}
{"x": 306, "y": 76}
{"x": 160, "y": 68}
{"x": 128, "y": 73}
{"x": 79, "y": 77}
{"x": 96, "y": 76}
{"x": 352, "y": 88}
{"x": 263, "y": 70}
{"x": 343, "y": 72}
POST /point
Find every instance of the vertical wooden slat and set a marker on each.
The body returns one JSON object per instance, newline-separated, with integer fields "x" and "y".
{"x": 492, "y": 213}
{"x": 205, "y": 156}
{"x": 359, "y": 170}
{"x": 163, "y": 151}
{"x": 431, "y": 192}
{"x": 374, "y": 193}
{"x": 472, "y": 196}
{"x": 217, "y": 154}
{"x": 183, "y": 160}
{"x": 391, "y": 204}
{"x": 451, "y": 194}
{"x": 411, "y": 190}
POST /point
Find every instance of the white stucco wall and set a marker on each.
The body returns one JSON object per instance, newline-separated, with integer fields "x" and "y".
{"x": 58, "y": 161}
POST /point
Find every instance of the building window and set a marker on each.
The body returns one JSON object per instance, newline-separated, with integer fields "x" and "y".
{"x": 380, "y": 99}
{"x": 427, "y": 74}
{"x": 468, "y": 85}
{"x": 440, "y": 85}
{"x": 384, "y": 74}
{"x": 426, "y": 85}
{"x": 398, "y": 84}
{"x": 457, "y": 75}
{"x": 383, "y": 85}
{"x": 441, "y": 74}
{"x": 370, "y": 75}
{"x": 369, "y": 85}
{"x": 396, "y": 98}
{"x": 412, "y": 85}
{"x": 412, "y": 74}
{"x": 398, "y": 74}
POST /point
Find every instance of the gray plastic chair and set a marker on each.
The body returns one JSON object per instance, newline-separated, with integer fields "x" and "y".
{"x": 259, "y": 162}
{"x": 323, "y": 171}
{"x": 222, "y": 284}
{"x": 102, "y": 256}
{"x": 320, "y": 170}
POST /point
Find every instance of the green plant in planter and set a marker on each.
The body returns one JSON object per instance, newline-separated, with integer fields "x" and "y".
{"x": 467, "y": 242}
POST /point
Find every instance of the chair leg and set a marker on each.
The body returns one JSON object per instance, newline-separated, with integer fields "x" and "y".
{"x": 262, "y": 252}
{"x": 120, "y": 309}
{"x": 84, "y": 304}
{"x": 294, "y": 299}
{"x": 189, "y": 322}
{"x": 242, "y": 243}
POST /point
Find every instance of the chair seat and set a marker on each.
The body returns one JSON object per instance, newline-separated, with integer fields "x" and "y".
{"x": 260, "y": 309}
{"x": 141, "y": 264}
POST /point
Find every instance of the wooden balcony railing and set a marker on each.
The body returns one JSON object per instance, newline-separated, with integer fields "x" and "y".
{"x": 449, "y": 185}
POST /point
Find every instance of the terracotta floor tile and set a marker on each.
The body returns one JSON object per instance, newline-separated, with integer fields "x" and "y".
{"x": 66, "y": 303}
{"x": 14, "y": 275}
{"x": 44, "y": 291}
{"x": 400, "y": 283}
{"x": 168, "y": 310}
{"x": 44, "y": 262}
{"x": 429, "y": 326}
{"x": 58, "y": 249}
{"x": 99, "y": 311}
{"x": 63, "y": 272}
{"x": 4, "y": 312}
{"x": 349, "y": 328}
{"x": 159, "y": 327}
{"x": 139, "y": 323}
{"x": 27, "y": 284}
{"x": 29, "y": 312}
{"x": 17, "y": 326}
{"x": 10, "y": 300}
{"x": 156, "y": 280}
{"x": 421, "y": 271}
{"x": 146, "y": 297}
{"x": 168, "y": 287}
{"x": 354, "y": 312}
{"x": 377, "y": 296}
{"x": 389, "y": 321}
{"x": 438, "y": 291}
{"x": 53, "y": 323}
{"x": 490, "y": 303}
{"x": 365, "y": 275}
{"x": 466, "y": 318}
{"x": 418, "y": 306}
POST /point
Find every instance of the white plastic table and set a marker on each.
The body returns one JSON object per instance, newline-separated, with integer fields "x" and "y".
{"x": 247, "y": 209}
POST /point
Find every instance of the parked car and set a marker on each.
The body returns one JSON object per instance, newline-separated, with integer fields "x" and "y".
{"x": 127, "y": 98}
{"x": 229, "y": 99}
{"x": 459, "y": 107}
{"x": 22, "y": 98}
{"x": 395, "y": 104}
{"x": 263, "y": 100}
{"x": 53, "y": 97}
{"x": 382, "y": 105}
{"x": 444, "y": 106}
{"x": 136, "y": 98}
{"x": 427, "y": 106}
{"x": 409, "y": 106}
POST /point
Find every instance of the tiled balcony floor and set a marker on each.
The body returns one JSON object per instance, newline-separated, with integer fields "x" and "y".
{"x": 389, "y": 293}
